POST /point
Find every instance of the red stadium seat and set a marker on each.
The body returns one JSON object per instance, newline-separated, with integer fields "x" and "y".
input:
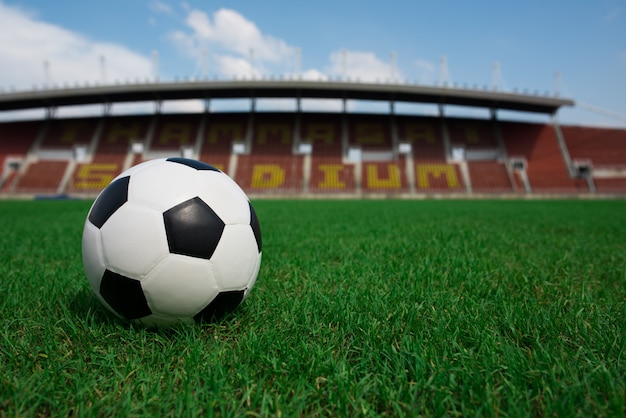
{"x": 64, "y": 134}
{"x": 546, "y": 168}
{"x": 271, "y": 166}
{"x": 43, "y": 177}
{"x": 16, "y": 139}
{"x": 173, "y": 132}
{"x": 271, "y": 159}
{"x": 220, "y": 133}
{"x": 489, "y": 177}
{"x": 424, "y": 135}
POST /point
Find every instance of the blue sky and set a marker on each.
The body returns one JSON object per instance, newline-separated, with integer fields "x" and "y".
{"x": 64, "y": 42}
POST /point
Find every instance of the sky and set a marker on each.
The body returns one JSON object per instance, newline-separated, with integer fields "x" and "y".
{"x": 575, "y": 48}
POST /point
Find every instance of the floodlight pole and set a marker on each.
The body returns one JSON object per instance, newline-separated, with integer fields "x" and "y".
{"x": 46, "y": 71}
{"x": 155, "y": 65}
{"x": 298, "y": 69}
{"x": 103, "y": 72}
{"x": 205, "y": 62}
{"x": 443, "y": 71}
{"x": 393, "y": 59}
{"x": 495, "y": 76}
{"x": 557, "y": 84}
{"x": 252, "y": 62}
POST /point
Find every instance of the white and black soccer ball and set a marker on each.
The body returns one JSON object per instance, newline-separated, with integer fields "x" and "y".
{"x": 171, "y": 240}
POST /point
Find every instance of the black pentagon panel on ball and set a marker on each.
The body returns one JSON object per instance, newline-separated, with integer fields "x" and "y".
{"x": 110, "y": 200}
{"x": 193, "y": 228}
{"x": 124, "y": 295}
{"x": 198, "y": 165}
{"x": 256, "y": 228}
{"x": 223, "y": 303}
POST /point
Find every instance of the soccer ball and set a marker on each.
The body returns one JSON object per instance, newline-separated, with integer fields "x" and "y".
{"x": 171, "y": 240}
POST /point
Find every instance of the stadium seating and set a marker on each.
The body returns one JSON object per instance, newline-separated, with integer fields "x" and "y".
{"x": 610, "y": 184}
{"x": 546, "y": 168}
{"x": 122, "y": 131}
{"x": 438, "y": 177}
{"x": 318, "y": 153}
{"x": 16, "y": 139}
{"x": 329, "y": 173}
{"x": 477, "y": 139}
{"x": 472, "y": 133}
{"x": 603, "y": 147}
{"x": 65, "y": 134}
{"x": 603, "y": 151}
{"x": 489, "y": 177}
{"x": 90, "y": 178}
{"x": 370, "y": 132}
{"x": 384, "y": 177}
{"x": 172, "y": 133}
{"x": 432, "y": 172}
{"x": 270, "y": 166}
{"x": 42, "y": 177}
{"x": 57, "y": 151}
{"x": 112, "y": 154}
{"x": 220, "y": 133}
{"x": 424, "y": 135}
{"x": 382, "y": 169}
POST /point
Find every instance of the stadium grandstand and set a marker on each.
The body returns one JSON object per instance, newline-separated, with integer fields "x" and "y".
{"x": 299, "y": 153}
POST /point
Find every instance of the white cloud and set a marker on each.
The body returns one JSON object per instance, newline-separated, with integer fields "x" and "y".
{"x": 235, "y": 42}
{"x": 362, "y": 66}
{"x": 236, "y": 67}
{"x": 26, "y": 43}
{"x": 314, "y": 75}
{"x": 233, "y": 31}
{"x": 199, "y": 22}
{"x": 236, "y": 47}
{"x": 160, "y": 7}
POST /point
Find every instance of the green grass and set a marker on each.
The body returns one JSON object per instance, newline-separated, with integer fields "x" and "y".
{"x": 489, "y": 308}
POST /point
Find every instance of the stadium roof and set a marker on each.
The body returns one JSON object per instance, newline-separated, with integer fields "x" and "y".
{"x": 220, "y": 89}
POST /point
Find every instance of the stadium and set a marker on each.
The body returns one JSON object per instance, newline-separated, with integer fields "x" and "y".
{"x": 304, "y": 154}
{"x": 396, "y": 306}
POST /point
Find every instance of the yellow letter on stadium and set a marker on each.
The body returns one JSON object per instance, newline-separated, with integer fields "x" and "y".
{"x": 126, "y": 132}
{"x": 420, "y": 132}
{"x": 95, "y": 176}
{"x": 225, "y": 132}
{"x": 320, "y": 132}
{"x": 369, "y": 133}
{"x": 331, "y": 178}
{"x": 274, "y": 132}
{"x": 176, "y": 133}
{"x": 436, "y": 171}
{"x": 267, "y": 176}
{"x": 471, "y": 134}
{"x": 70, "y": 132}
{"x": 374, "y": 181}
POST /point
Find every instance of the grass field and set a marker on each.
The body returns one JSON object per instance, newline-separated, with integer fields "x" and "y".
{"x": 489, "y": 308}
